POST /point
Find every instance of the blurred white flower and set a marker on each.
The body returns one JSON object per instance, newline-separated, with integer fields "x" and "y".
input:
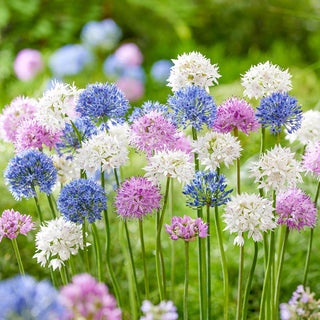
{"x": 67, "y": 170}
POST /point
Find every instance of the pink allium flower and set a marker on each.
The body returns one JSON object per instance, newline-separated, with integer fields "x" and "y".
{"x": 311, "y": 159}
{"x": 31, "y": 135}
{"x": 20, "y": 108}
{"x": 295, "y": 209}
{"x": 186, "y": 228}
{"x": 236, "y": 113}
{"x": 136, "y": 198}
{"x": 12, "y": 223}
{"x": 183, "y": 143}
{"x": 129, "y": 54}
{"x": 27, "y": 64}
{"x": 86, "y": 298}
{"x": 133, "y": 89}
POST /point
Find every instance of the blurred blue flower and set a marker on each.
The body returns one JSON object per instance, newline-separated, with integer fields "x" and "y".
{"x": 147, "y": 107}
{"x": 160, "y": 71}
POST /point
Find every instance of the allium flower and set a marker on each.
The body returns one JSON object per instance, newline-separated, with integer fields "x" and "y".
{"x": 296, "y": 209}
{"x": 182, "y": 143}
{"x": 129, "y": 54}
{"x": 265, "y": 79}
{"x": 215, "y": 148}
{"x": 28, "y": 64}
{"x": 236, "y": 113}
{"x": 248, "y": 212}
{"x": 82, "y": 200}
{"x": 311, "y": 160}
{"x": 56, "y": 107}
{"x": 146, "y": 108}
{"x": 206, "y": 189}
{"x": 137, "y": 198}
{"x": 160, "y": 71}
{"x": 193, "y": 106}
{"x": 28, "y": 170}
{"x": 13, "y": 223}
{"x": 133, "y": 89}
{"x": 66, "y": 168}
{"x": 56, "y": 241}
{"x": 85, "y": 298}
{"x": 277, "y": 169}
{"x": 279, "y": 110}
{"x": 165, "y": 310}
{"x": 168, "y": 163}
{"x": 22, "y": 297}
{"x": 186, "y": 228}
{"x": 102, "y": 101}
{"x": 193, "y": 69}
{"x": 20, "y": 109}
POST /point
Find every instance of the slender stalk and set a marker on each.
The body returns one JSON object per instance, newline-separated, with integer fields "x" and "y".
{"x": 173, "y": 245}
{"x": 116, "y": 177}
{"x": 72, "y": 266}
{"x": 38, "y": 209}
{"x": 17, "y": 253}
{"x": 145, "y": 270}
{"x": 63, "y": 275}
{"x": 97, "y": 251}
{"x": 262, "y": 145}
{"x": 85, "y": 249}
{"x": 51, "y": 206}
{"x": 240, "y": 275}
{"x": 53, "y": 278}
{"x": 208, "y": 266}
{"x": 158, "y": 267}
{"x": 186, "y": 282}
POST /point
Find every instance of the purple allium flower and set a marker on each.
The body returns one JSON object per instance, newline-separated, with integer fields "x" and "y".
{"x": 129, "y": 54}
{"x": 85, "y": 298}
{"x": 183, "y": 143}
{"x": 146, "y": 108}
{"x": 133, "y": 89}
{"x": 186, "y": 228}
{"x": 27, "y": 64}
{"x": 296, "y": 209}
{"x": 165, "y": 310}
{"x": 279, "y": 110}
{"x": 136, "y": 198}
{"x": 28, "y": 170}
{"x": 236, "y": 113}
{"x": 13, "y": 223}
{"x": 160, "y": 71}
{"x": 311, "y": 159}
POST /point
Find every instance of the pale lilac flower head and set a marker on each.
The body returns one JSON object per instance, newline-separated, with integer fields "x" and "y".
{"x": 129, "y": 54}
{"x": 296, "y": 209}
{"x": 28, "y": 64}
{"x": 133, "y": 89}
{"x": 311, "y": 159}
{"x": 86, "y": 298}
{"x": 13, "y": 223}
{"x": 236, "y": 113}
{"x": 165, "y": 310}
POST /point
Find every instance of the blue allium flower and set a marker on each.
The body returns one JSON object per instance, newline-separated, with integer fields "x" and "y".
{"x": 207, "y": 189}
{"x": 279, "y": 110}
{"x": 160, "y": 70}
{"x": 193, "y": 106}
{"x": 22, "y": 297}
{"x": 101, "y": 102}
{"x": 69, "y": 60}
{"x": 28, "y": 170}
{"x": 147, "y": 107}
{"x": 82, "y": 199}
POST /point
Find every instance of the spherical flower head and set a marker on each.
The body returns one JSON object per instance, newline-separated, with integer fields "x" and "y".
{"x": 129, "y": 54}
{"x": 101, "y": 102}
{"x": 136, "y": 198}
{"x": 82, "y": 200}
{"x": 186, "y": 228}
{"x": 165, "y": 310}
{"x": 66, "y": 169}
{"x": 56, "y": 241}
{"x": 28, "y": 170}
{"x": 193, "y": 69}
{"x": 160, "y": 71}
{"x": 13, "y": 223}
{"x": 182, "y": 143}
{"x": 279, "y": 110}
{"x": 20, "y": 109}
{"x": 311, "y": 160}
{"x": 206, "y": 189}
{"x": 146, "y": 108}
{"x": 28, "y": 64}
{"x": 86, "y": 298}
{"x": 215, "y": 148}
{"x": 296, "y": 209}
{"x": 192, "y": 106}
{"x": 237, "y": 114}
{"x": 264, "y": 79}
{"x": 249, "y": 212}
{"x": 22, "y": 297}
{"x": 277, "y": 169}
{"x": 170, "y": 164}
{"x": 133, "y": 89}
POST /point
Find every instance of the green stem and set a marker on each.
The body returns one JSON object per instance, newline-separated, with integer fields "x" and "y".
{"x": 116, "y": 177}
{"x": 63, "y": 275}
{"x": 53, "y": 278}
{"x": 145, "y": 270}
{"x": 17, "y": 253}
{"x": 51, "y": 206}
{"x": 38, "y": 209}
{"x": 158, "y": 267}
{"x": 97, "y": 251}
{"x": 278, "y": 138}
{"x": 72, "y": 266}
{"x": 263, "y": 134}
{"x": 77, "y": 132}
{"x": 239, "y": 302}
{"x": 85, "y": 248}
{"x": 173, "y": 244}
{"x": 186, "y": 282}
{"x": 208, "y": 266}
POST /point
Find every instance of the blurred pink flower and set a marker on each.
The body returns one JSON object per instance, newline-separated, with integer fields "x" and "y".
{"x": 129, "y": 54}
{"x": 133, "y": 89}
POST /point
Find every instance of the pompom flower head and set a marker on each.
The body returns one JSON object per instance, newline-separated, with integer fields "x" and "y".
{"x": 85, "y": 298}
{"x": 82, "y": 200}
{"x": 279, "y": 110}
{"x": 129, "y": 54}
{"x": 66, "y": 170}
{"x": 296, "y": 210}
{"x": 311, "y": 160}
{"x": 146, "y": 108}
{"x": 248, "y": 212}
{"x": 192, "y": 106}
{"x": 28, "y": 170}
{"x": 56, "y": 241}
{"x": 136, "y": 198}
{"x": 186, "y": 228}
{"x": 13, "y": 223}
{"x": 165, "y": 310}
{"x": 193, "y": 69}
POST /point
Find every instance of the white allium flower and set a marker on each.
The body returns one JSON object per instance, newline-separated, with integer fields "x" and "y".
{"x": 192, "y": 69}
{"x": 215, "y": 148}
{"x": 277, "y": 169}
{"x": 249, "y": 212}
{"x": 67, "y": 170}
{"x": 57, "y": 106}
{"x": 265, "y": 79}
{"x": 56, "y": 241}
{"x": 119, "y": 131}
{"x": 165, "y": 310}
{"x": 309, "y": 132}
{"x": 170, "y": 163}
